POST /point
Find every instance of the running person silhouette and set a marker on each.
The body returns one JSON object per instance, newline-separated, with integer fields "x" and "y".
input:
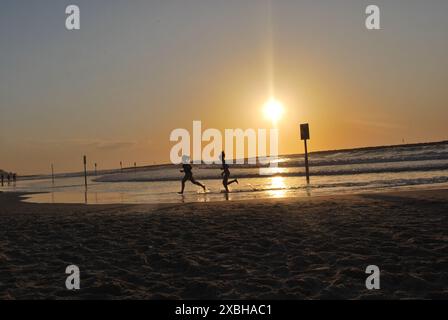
{"x": 226, "y": 173}
{"x": 187, "y": 169}
{"x": 225, "y": 177}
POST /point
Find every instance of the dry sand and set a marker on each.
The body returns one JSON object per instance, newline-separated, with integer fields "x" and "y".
{"x": 311, "y": 248}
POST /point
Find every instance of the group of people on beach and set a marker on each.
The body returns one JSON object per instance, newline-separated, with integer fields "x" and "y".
{"x": 10, "y": 177}
{"x": 225, "y": 174}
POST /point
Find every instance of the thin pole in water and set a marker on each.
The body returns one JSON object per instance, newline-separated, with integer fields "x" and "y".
{"x": 85, "y": 171}
{"x": 52, "y": 173}
{"x": 305, "y": 135}
{"x": 307, "y": 168}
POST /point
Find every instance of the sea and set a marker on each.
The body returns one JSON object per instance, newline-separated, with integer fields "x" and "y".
{"x": 361, "y": 170}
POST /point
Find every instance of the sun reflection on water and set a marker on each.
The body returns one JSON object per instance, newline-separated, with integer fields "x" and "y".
{"x": 278, "y": 187}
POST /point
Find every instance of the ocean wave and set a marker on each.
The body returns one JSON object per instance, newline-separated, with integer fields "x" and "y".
{"x": 209, "y": 175}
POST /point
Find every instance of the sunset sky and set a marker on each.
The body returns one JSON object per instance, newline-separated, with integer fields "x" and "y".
{"x": 136, "y": 70}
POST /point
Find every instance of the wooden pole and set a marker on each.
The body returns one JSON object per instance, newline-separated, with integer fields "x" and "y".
{"x": 307, "y": 168}
{"x": 305, "y": 135}
{"x": 85, "y": 171}
{"x": 95, "y": 168}
{"x": 52, "y": 173}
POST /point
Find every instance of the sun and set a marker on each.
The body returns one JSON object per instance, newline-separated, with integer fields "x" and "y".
{"x": 273, "y": 110}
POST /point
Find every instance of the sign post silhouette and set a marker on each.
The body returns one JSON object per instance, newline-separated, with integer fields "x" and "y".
{"x": 305, "y": 135}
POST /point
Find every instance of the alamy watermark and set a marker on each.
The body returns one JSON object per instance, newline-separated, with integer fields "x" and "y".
{"x": 373, "y": 21}
{"x": 373, "y": 280}
{"x": 249, "y": 146}
{"x": 73, "y": 281}
{"x": 73, "y": 19}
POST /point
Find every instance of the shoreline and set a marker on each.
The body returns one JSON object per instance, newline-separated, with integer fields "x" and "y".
{"x": 25, "y": 196}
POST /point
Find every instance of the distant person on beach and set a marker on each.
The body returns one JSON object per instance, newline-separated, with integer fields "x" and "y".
{"x": 226, "y": 173}
{"x": 187, "y": 170}
{"x": 8, "y": 177}
{"x": 14, "y": 178}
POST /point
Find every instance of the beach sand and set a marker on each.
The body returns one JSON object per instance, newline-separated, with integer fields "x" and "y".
{"x": 307, "y": 248}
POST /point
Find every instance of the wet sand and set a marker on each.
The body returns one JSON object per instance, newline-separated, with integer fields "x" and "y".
{"x": 307, "y": 248}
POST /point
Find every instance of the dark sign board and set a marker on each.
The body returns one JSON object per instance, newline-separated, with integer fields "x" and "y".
{"x": 304, "y": 131}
